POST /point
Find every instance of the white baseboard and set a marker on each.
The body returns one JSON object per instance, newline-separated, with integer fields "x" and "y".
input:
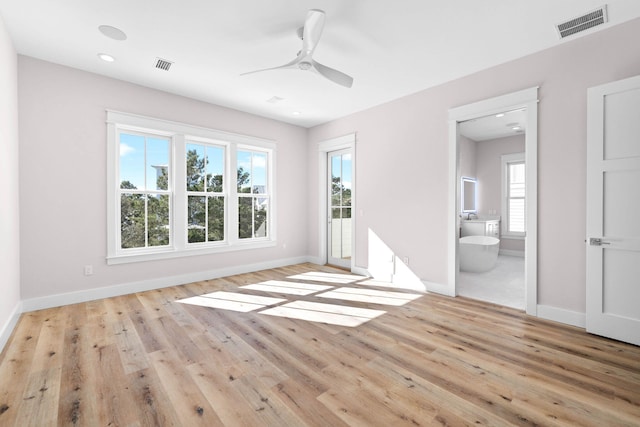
{"x": 510, "y": 252}
{"x": 147, "y": 285}
{"x": 360, "y": 271}
{"x": 317, "y": 260}
{"x": 8, "y": 327}
{"x": 561, "y": 315}
{"x": 438, "y": 288}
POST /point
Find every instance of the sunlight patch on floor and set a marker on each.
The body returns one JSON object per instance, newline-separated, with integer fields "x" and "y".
{"x": 370, "y": 296}
{"x": 295, "y": 308}
{"x": 325, "y": 313}
{"x": 397, "y": 284}
{"x": 222, "y": 304}
{"x": 378, "y": 283}
{"x": 232, "y": 301}
{"x": 292, "y": 288}
{"x": 318, "y": 276}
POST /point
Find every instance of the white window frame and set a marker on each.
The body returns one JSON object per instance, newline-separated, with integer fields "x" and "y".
{"x": 269, "y": 154}
{"x": 506, "y": 160}
{"x": 146, "y": 192}
{"x": 227, "y": 176}
{"x": 180, "y": 134}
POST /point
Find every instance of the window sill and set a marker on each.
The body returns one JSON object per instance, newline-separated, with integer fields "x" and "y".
{"x": 174, "y": 253}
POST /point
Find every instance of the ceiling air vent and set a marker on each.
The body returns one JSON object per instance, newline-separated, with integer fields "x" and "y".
{"x": 582, "y": 23}
{"x": 163, "y": 64}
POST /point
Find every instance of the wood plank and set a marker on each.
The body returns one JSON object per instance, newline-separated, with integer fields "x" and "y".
{"x": 76, "y": 404}
{"x": 189, "y": 402}
{"x": 114, "y": 397}
{"x": 225, "y": 399}
{"x": 132, "y": 352}
{"x": 17, "y": 364}
{"x": 40, "y": 399}
{"x": 155, "y": 407}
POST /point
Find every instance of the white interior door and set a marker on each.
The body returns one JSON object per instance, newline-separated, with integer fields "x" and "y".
{"x": 340, "y": 182}
{"x": 613, "y": 210}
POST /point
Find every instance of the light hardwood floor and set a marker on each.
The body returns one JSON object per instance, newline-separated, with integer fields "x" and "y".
{"x": 147, "y": 360}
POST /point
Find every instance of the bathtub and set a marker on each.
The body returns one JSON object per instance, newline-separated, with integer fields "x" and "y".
{"x": 478, "y": 253}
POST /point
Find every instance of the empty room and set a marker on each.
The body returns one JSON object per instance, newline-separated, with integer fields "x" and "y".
{"x": 319, "y": 213}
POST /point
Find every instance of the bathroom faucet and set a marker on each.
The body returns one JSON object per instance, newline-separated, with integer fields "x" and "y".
{"x": 469, "y": 215}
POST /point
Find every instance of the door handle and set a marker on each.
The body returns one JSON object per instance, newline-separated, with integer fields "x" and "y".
{"x": 596, "y": 241}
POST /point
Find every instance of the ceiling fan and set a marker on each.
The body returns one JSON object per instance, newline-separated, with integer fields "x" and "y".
{"x": 310, "y": 35}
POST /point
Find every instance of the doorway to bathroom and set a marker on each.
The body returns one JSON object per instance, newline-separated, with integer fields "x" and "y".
{"x": 492, "y": 234}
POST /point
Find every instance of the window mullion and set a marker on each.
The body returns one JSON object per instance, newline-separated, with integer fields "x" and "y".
{"x": 179, "y": 185}
{"x": 231, "y": 184}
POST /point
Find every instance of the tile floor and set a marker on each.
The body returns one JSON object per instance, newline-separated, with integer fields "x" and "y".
{"x": 503, "y": 285}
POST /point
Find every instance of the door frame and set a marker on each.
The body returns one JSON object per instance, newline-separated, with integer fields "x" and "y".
{"x": 324, "y": 148}
{"x": 527, "y": 98}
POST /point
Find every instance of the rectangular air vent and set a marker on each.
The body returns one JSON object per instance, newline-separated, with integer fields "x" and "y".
{"x": 163, "y": 64}
{"x": 582, "y": 23}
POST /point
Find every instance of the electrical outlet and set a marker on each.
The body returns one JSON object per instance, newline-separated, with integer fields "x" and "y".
{"x": 88, "y": 270}
{"x": 406, "y": 261}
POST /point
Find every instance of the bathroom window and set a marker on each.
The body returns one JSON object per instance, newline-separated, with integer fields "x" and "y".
{"x": 513, "y": 190}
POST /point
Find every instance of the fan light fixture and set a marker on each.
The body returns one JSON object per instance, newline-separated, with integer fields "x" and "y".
{"x": 106, "y": 57}
{"x": 311, "y": 33}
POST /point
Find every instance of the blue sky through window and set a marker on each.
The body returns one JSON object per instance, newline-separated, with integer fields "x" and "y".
{"x": 256, "y": 165}
{"x": 135, "y": 165}
{"x": 344, "y": 161}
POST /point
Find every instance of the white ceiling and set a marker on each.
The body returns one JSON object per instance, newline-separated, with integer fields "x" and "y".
{"x": 391, "y": 49}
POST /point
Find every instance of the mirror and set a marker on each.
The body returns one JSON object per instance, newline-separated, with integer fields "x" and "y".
{"x": 468, "y": 195}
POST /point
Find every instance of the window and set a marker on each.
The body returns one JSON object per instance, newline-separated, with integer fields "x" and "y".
{"x": 205, "y": 193}
{"x": 253, "y": 195}
{"x": 144, "y": 190}
{"x": 177, "y": 190}
{"x": 513, "y": 189}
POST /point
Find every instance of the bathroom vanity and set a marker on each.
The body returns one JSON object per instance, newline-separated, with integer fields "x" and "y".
{"x": 480, "y": 227}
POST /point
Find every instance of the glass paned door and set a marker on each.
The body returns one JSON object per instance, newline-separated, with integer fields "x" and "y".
{"x": 339, "y": 209}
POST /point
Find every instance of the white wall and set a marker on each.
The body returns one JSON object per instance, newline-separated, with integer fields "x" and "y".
{"x": 63, "y": 179}
{"x": 402, "y": 159}
{"x": 467, "y": 150}
{"x": 9, "y": 196}
{"x": 489, "y": 169}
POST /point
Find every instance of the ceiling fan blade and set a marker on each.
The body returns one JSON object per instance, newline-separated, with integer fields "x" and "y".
{"x": 334, "y": 75}
{"x": 312, "y": 31}
{"x": 292, "y": 64}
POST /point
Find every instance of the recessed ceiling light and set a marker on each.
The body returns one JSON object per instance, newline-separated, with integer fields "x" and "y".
{"x": 500, "y": 115}
{"x": 112, "y": 32}
{"x": 106, "y": 58}
{"x": 516, "y": 128}
{"x": 296, "y": 113}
